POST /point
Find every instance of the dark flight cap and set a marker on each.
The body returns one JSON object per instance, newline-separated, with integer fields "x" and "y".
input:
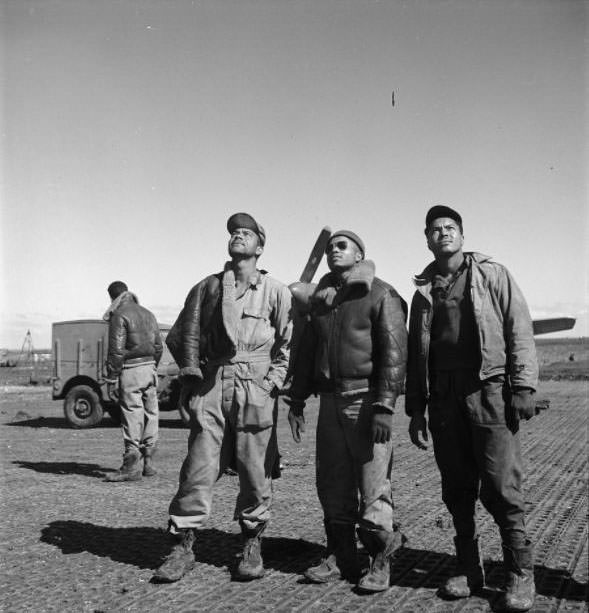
{"x": 352, "y": 236}
{"x": 439, "y": 210}
{"x": 244, "y": 220}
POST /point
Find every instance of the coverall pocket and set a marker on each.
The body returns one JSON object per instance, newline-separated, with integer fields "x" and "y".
{"x": 256, "y": 324}
{"x": 259, "y": 409}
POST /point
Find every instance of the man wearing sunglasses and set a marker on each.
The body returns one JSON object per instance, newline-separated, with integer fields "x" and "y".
{"x": 472, "y": 364}
{"x": 352, "y": 353}
{"x": 232, "y": 344}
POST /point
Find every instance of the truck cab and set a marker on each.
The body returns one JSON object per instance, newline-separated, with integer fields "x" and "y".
{"x": 79, "y": 349}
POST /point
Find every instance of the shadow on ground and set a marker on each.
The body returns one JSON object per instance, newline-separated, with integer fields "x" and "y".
{"x": 146, "y": 547}
{"x": 66, "y": 468}
{"x": 429, "y": 569}
{"x": 59, "y": 423}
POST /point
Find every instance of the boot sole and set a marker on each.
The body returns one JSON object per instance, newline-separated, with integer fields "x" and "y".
{"x": 316, "y": 579}
{"x": 172, "y": 579}
{"x": 121, "y": 479}
{"x": 252, "y": 577}
{"x": 372, "y": 589}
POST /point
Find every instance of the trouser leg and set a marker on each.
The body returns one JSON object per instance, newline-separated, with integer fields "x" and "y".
{"x": 255, "y": 457}
{"x": 453, "y": 450}
{"x": 131, "y": 402}
{"x": 373, "y": 464}
{"x": 335, "y": 475}
{"x": 150, "y": 405}
{"x": 208, "y": 452}
{"x": 337, "y": 490}
{"x": 498, "y": 454}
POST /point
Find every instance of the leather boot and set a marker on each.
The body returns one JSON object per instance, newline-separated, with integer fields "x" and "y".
{"x": 341, "y": 561}
{"x": 180, "y": 560}
{"x": 148, "y": 468}
{"x": 520, "y": 588}
{"x": 469, "y": 576}
{"x": 131, "y": 467}
{"x": 251, "y": 565}
{"x": 380, "y": 545}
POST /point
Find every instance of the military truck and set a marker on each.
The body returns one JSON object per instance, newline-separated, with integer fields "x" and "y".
{"x": 80, "y": 348}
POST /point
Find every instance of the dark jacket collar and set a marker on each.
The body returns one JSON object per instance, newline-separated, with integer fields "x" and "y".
{"x": 426, "y": 276}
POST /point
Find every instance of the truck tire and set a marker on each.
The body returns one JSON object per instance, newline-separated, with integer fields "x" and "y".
{"x": 114, "y": 412}
{"x": 82, "y": 407}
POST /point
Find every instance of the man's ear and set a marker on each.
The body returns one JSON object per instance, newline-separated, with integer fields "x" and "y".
{"x": 358, "y": 256}
{"x": 259, "y": 250}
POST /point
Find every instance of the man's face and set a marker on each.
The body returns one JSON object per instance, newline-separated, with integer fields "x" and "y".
{"x": 342, "y": 254}
{"x": 444, "y": 237}
{"x": 244, "y": 242}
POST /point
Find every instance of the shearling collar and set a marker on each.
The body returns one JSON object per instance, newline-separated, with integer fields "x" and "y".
{"x": 117, "y": 302}
{"x": 330, "y": 292}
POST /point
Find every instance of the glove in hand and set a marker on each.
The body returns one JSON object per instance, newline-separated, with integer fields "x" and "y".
{"x": 382, "y": 426}
{"x": 523, "y": 403}
{"x": 296, "y": 420}
{"x": 418, "y": 430}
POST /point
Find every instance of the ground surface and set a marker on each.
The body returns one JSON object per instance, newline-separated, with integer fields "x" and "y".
{"x": 73, "y": 542}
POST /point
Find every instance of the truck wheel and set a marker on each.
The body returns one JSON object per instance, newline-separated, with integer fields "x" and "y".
{"x": 82, "y": 407}
{"x": 114, "y": 412}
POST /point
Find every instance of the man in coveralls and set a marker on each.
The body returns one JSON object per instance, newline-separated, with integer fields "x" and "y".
{"x": 353, "y": 353}
{"x": 232, "y": 343}
{"x": 472, "y": 363}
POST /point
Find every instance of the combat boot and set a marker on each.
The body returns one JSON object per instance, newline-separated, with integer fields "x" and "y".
{"x": 380, "y": 546}
{"x": 131, "y": 467}
{"x": 180, "y": 560}
{"x": 341, "y": 561}
{"x": 469, "y": 576}
{"x": 148, "y": 468}
{"x": 520, "y": 588}
{"x": 251, "y": 565}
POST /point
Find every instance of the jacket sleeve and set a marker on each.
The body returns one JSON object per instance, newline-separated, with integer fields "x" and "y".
{"x": 157, "y": 343}
{"x": 117, "y": 341}
{"x": 518, "y": 332}
{"x": 185, "y": 342}
{"x": 282, "y": 322}
{"x": 303, "y": 361}
{"x": 391, "y": 336}
{"x": 415, "y": 400}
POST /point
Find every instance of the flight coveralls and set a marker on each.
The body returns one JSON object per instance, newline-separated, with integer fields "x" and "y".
{"x": 240, "y": 346}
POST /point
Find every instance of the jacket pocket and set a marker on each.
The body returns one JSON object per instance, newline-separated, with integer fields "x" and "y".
{"x": 490, "y": 405}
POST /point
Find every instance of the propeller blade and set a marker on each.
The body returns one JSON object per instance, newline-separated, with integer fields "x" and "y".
{"x": 316, "y": 255}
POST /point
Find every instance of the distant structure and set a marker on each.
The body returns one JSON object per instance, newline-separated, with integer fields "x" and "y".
{"x": 27, "y": 350}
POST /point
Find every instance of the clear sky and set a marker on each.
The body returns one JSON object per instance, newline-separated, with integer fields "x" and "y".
{"x": 132, "y": 130}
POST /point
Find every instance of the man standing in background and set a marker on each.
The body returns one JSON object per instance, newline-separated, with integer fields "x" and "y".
{"x": 134, "y": 351}
{"x": 472, "y": 363}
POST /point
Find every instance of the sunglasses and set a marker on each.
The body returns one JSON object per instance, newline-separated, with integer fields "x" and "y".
{"x": 341, "y": 245}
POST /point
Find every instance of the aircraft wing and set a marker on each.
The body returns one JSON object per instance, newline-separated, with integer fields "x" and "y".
{"x": 555, "y": 324}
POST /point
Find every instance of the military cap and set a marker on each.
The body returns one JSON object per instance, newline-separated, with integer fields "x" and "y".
{"x": 439, "y": 210}
{"x": 352, "y": 236}
{"x": 245, "y": 220}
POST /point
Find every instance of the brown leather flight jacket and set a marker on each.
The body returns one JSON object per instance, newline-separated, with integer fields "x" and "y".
{"x": 133, "y": 336}
{"x": 355, "y": 341}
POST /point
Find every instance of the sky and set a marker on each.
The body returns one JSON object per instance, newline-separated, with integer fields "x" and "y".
{"x": 132, "y": 130}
